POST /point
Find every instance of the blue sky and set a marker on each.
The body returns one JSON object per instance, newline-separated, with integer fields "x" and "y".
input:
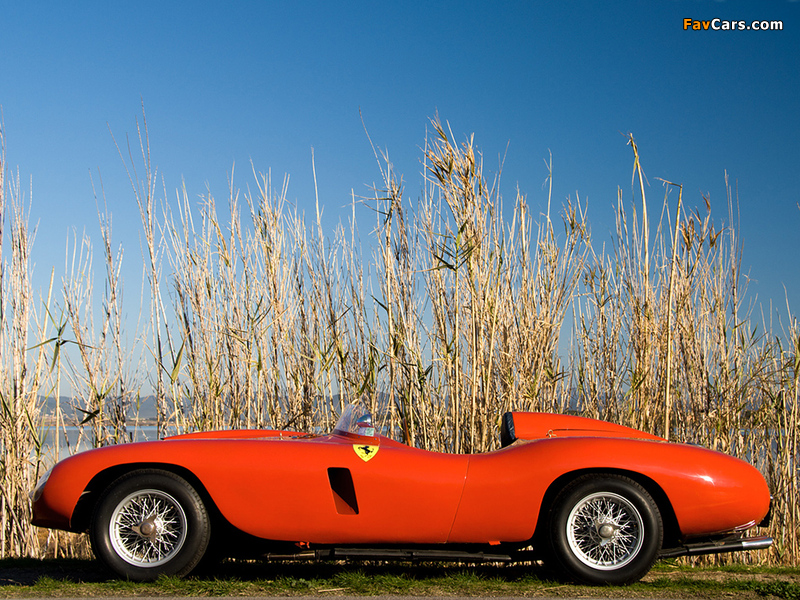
{"x": 227, "y": 83}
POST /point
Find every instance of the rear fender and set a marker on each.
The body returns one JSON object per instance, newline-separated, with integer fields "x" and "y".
{"x": 672, "y": 531}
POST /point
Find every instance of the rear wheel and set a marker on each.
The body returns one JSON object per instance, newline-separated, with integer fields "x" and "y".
{"x": 150, "y": 523}
{"x": 604, "y": 529}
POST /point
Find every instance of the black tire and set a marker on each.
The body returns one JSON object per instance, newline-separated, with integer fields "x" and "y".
{"x": 149, "y": 523}
{"x": 604, "y": 529}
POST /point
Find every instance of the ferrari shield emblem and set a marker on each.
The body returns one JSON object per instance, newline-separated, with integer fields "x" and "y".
{"x": 365, "y": 452}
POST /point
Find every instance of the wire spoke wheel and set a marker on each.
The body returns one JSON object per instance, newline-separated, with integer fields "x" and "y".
{"x": 604, "y": 528}
{"x": 605, "y": 531}
{"x": 148, "y": 528}
{"x": 148, "y": 523}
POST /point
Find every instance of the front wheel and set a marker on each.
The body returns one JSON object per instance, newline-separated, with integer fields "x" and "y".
{"x": 604, "y": 529}
{"x": 150, "y": 523}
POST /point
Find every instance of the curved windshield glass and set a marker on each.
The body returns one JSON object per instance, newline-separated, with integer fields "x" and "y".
{"x": 355, "y": 419}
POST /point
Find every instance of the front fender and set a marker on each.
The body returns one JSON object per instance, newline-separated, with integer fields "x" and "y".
{"x": 55, "y": 501}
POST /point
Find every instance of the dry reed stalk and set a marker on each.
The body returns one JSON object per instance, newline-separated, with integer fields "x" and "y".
{"x": 98, "y": 376}
{"x": 776, "y": 424}
{"x": 21, "y": 451}
{"x": 399, "y": 334}
{"x": 498, "y": 297}
{"x": 668, "y": 377}
{"x": 161, "y": 345}
{"x": 2, "y": 228}
{"x": 698, "y": 363}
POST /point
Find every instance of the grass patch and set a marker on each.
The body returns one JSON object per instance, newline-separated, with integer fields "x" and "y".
{"x": 81, "y": 578}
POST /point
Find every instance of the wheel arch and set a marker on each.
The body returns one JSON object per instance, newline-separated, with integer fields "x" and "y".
{"x": 672, "y": 533}
{"x": 82, "y": 515}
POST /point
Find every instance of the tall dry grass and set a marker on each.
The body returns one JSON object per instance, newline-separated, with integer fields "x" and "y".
{"x": 23, "y": 372}
{"x": 455, "y": 309}
{"x": 676, "y": 349}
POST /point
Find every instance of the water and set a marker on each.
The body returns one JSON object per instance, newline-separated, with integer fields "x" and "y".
{"x": 73, "y": 439}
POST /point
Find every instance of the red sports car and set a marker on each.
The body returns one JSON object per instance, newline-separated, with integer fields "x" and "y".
{"x": 595, "y": 501}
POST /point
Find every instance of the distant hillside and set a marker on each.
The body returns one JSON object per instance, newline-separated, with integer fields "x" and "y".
{"x": 146, "y": 408}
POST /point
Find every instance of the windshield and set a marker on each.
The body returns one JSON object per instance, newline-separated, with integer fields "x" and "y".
{"x": 355, "y": 419}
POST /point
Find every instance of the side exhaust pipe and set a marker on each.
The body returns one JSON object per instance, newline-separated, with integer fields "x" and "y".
{"x": 718, "y": 547}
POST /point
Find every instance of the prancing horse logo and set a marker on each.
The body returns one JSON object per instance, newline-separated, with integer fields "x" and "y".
{"x": 365, "y": 452}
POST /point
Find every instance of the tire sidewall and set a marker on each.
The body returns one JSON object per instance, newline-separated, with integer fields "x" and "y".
{"x": 564, "y": 558}
{"x": 197, "y": 524}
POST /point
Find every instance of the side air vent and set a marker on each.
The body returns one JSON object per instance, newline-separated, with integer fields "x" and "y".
{"x": 344, "y": 494}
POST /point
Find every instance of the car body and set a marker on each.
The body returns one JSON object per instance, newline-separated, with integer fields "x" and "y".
{"x": 596, "y": 501}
